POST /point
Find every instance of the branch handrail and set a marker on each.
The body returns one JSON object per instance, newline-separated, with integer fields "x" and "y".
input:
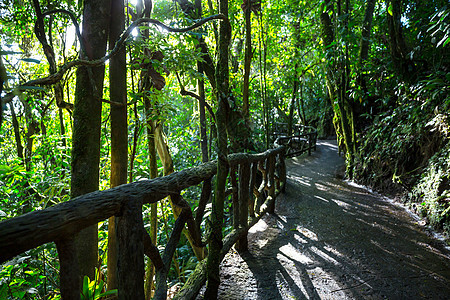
{"x": 303, "y": 139}
{"x": 61, "y": 222}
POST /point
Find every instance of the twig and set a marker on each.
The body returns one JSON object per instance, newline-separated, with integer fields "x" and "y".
{"x": 55, "y": 77}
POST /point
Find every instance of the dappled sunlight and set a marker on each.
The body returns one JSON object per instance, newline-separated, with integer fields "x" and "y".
{"x": 290, "y": 251}
{"x": 260, "y": 226}
{"x": 307, "y": 233}
{"x": 324, "y": 255}
{"x": 330, "y": 145}
{"x": 301, "y": 179}
{"x": 329, "y": 239}
{"x": 341, "y": 203}
{"x": 321, "y": 198}
{"x": 383, "y": 229}
{"x": 321, "y": 187}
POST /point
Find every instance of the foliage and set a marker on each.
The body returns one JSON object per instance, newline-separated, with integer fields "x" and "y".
{"x": 402, "y": 127}
{"x": 32, "y": 274}
{"x": 430, "y": 197}
{"x": 93, "y": 290}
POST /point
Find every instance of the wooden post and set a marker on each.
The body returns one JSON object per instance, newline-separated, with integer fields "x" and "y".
{"x": 235, "y": 197}
{"x": 244, "y": 178}
{"x": 309, "y": 143}
{"x": 260, "y": 192}
{"x": 271, "y": 185}
{"x": 70, "y": 283}
{"x": 130, "y": 252}
{"x": 204, "y": 198}
{"x": 282, "y": 174}
{"x": 315, "y": 140}
{"x": 251, "y": 202}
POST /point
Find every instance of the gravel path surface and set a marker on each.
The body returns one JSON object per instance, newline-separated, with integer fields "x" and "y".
{"x": 332, "y": 240}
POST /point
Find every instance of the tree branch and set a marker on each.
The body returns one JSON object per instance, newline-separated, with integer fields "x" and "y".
{"x": 56, "y": 77}
{"x": 184, "y": 92}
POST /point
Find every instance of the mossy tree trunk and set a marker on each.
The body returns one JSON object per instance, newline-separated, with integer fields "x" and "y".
{"x": 146, "y": 86}
{"x": 222, "y": 88}
{"x": 337, "y": 79}
{"x": 86, "y": 124}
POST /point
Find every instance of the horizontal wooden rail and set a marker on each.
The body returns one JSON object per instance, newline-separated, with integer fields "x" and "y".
{"x": 61, "y": 222}
{"x": 303, "y": 140}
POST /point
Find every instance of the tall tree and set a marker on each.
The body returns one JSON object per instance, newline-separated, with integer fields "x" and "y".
{"x": 338, "y": 77}
{"x": 247, "y": 7}
{"x": 86, "y": 123}
{"x": 222, "y": 90}
{"x": 403, "y": 64}
{"x": 119, "y": 126}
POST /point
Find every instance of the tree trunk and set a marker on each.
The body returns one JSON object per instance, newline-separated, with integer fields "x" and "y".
{"x": 337, "y": 78}
{"x": 39, "y": 30}
{"x": 86, "y": 124}
{"x": 222, "y": 76}
{"x": 247, "y": 60}
{"x": 403, "y": 64}
{"x": 150, "y": 269}
{"x": 301, "y": 107}
{"x": 119, "y": 127}
{"x": 364, "y": 49}
{"x": 201, "y": 93}
{"x": 16, "y": 128}
{"x": 262, "y": 69}
{"x": 292, "y": 104}
{"x": 3, "y": 78}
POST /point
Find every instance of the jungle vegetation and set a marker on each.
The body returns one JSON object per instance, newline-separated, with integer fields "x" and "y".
{"x": 93, "y": 97}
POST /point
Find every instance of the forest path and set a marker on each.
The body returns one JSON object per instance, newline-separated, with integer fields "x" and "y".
{"x": 331, "y": 240}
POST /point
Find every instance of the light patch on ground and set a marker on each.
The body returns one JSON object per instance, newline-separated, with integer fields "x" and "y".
{"x": 321, "y": 198}
{"x": 260, "y": 226}
{"x": 332, "y": 250}
{"x": 292, "y": 252}
{"x": 341, "y": 203}
{"x": 299, "y": 239}
{"x": 321, "y": 187}
{"x": 307, "y": 233}
{"x": 301, "y": 179}
{"x": 324, "y": 255}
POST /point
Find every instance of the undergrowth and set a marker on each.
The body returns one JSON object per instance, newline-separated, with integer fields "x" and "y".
{"x": 406, "y": 153}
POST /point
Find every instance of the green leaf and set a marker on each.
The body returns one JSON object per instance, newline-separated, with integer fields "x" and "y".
{"x": 108, "y": 293}
{"x": 390, "y": 9}
{"x": 85, "y": 292}
{"x": 4, "y": 169}
{"x": 31, "y": 60}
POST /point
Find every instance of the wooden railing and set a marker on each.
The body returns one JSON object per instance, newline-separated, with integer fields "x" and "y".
{"x": 303, "y": 138}
{"x": 256, "y": 180}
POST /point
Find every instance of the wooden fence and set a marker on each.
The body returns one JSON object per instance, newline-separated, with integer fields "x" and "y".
{"x": 303, "y": 139}
{"x": 255, "y": 180}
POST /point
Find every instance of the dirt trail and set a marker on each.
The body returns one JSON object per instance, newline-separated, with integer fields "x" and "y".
{"x": 331, "y": 240}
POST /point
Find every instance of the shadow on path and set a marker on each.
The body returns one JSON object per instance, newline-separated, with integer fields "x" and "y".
{"x": 331, "y": 240}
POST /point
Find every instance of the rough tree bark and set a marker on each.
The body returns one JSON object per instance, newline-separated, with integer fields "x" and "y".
{"x": 222, "y": 76}
{"x": 337, "y": 79}
{"x": 147, "y": 85}
{"x": 119, "y": 127}
{"x": 86, "y": 124}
